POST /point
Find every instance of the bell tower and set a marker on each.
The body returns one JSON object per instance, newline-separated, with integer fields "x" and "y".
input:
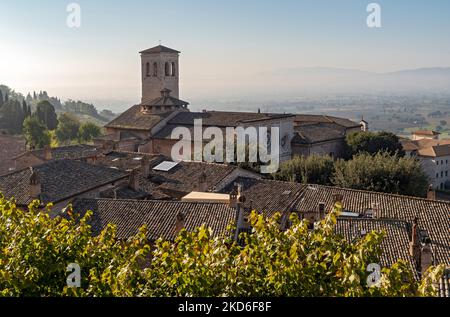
{"x": 159, "y": 71}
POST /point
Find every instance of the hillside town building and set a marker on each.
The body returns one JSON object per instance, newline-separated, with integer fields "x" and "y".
{"x": 433, "y": 153}
{"x": 147, "y": 127}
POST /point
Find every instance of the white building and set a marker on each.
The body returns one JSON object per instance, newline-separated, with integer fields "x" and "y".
{"x": 434, "y": 155}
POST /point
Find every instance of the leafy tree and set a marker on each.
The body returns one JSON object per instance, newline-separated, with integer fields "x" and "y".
{"x": 68, "y": 128}
{"x": 314, "y": 169}
{"x": 374, "y": 142}
{"x": 13, "y": 116}
{"x": 1, "y": 98}
{"x": 81, "y": 108}
{"x": 36, "y": 249}
{"x": 382, "y": 172}
{"x": 35, "y": 133}
{"x": 443, "y": 122}
{"x": 26, "y": 109}
{"x": 88, "y": 131}
{"x": 47, "y": 115}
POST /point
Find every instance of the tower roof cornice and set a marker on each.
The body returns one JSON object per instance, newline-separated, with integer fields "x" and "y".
{"x": 159, "y": 49}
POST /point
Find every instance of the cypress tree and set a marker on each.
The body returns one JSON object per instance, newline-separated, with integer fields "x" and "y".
{"x": 25, "y": 108}
{"x": 6, "y": 97}
{"x": 1, "y": 98}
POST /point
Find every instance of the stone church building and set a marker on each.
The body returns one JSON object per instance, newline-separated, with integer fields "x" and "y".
{"x": 147, "y": 127}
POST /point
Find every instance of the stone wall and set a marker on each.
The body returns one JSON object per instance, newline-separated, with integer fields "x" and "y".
{"x": 335, "y": 148}
{"x": 152, "y": 85}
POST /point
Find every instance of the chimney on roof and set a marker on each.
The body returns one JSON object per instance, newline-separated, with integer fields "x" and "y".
{"x": 364, "y": 125}
{"x": 337, "y": 199}
{"x": 375, "y": 211}
{"x": 414, "y": 245}
{"x": 107, "y": 146}
{"x": 237, "y": 196}
{"x": 321, "y": 210}
{"x": 145, "y": 166}
{"x": 240, "y": 210}
{"x": 233, "y": 197}
{"x": 431, "y": 194}
{"x": 180, "y": 222}
{"x": 133, "y": 180}
{"x": 426, "y": 255}
{"x": 99, "y": 157}
{"x": 35, "y": 184}
{"x": 202, "y": 182}
{"x": 47, "y": 153}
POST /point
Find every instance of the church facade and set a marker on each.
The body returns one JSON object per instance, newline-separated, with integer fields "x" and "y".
{"x": 147, "y": 127}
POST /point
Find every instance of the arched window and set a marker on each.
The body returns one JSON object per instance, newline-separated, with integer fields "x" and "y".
{"x": 173, "y": 69}
{"x": 147, "y": 69}
{"x": 167, "y": 67}
{"x": 155, "y": 69}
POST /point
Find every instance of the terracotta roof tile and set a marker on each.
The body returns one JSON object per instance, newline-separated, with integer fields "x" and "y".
{"x": 434, "y": 216}
{"x": 159, "y": 216}
{"x": 134, "y": 119}
{"x": 60, "y": 180}
{"x": 395, "y": 245}
{"x": 10, "y": 146}
{"x": 267, "y": 196}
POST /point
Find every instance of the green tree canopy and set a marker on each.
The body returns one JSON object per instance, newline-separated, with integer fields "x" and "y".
{"x": 314, "y": 169}
{"x": 36, "y": 249}
{"x": 68, "y": 128}
{"x": 35, "y": 133}
{"x": 374, "y": 142}
{"x": 13, "y": 116}
{"x": 88, "y": 131}
{"x": 46, "y": 114}
{"x": 382, "y": 172}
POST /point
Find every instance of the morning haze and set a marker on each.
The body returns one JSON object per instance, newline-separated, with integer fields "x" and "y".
{"x": 230, "y": 50}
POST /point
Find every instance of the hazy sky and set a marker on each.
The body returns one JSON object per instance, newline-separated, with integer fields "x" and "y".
{"x": 223, "y": 43}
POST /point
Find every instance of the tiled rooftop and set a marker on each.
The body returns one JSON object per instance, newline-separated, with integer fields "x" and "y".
{"x": 10, "y": 146}
{"x": 395, "y": 245}
{"x": 134, "y": 119}
{"x": 433, "y": 216}
{"x": 60, "y": 180}
{"x": 267, "y": 197}
{"x": 319, "y": 132}
{"x": 66, "y": 152}
{"x": 159, "y": 216}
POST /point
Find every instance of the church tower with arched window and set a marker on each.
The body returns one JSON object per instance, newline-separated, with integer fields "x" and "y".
{"x": 159, "y": 71}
